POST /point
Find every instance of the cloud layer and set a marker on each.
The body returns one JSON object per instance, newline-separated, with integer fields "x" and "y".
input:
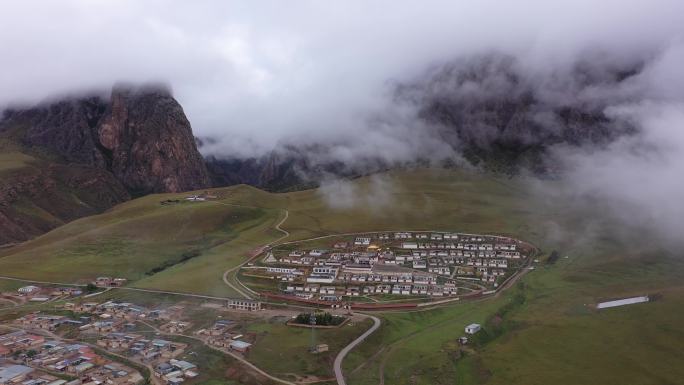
{"x": 255, "y": 74}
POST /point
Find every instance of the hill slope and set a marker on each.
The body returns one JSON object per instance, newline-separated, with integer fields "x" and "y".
{"x": 541, "y": 331}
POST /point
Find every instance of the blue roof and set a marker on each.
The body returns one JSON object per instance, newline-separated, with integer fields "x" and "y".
{"x": 9, "y": 372}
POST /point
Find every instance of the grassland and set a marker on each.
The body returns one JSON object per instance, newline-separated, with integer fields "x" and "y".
{"x": 13, "y": 160}
{"x": 283, "y": 350}
{"x": 541, "y": 332}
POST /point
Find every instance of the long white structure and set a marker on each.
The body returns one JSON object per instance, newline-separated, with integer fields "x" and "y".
{"x": 622, "y": 302}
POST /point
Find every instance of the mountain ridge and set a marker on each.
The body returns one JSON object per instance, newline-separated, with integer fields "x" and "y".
{"x": 91, "y": 153}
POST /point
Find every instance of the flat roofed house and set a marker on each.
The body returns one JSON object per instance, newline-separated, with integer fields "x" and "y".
{"x": 13, "y": 374}
{"x": 243, "y": 304}
{"x": 240, "y": 346}
{"x": 473, "y": 328}
{"x": 28, "y": 289}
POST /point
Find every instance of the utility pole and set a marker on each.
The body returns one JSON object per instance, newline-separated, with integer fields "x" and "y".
{"x": 312, "y": 322}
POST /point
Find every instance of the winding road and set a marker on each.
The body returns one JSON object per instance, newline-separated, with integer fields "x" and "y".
{"x": 255, "y": 254}
{"x": 249, "y": 293}
{"x": 337, "y": 366}
{"x": 225, "y": 351}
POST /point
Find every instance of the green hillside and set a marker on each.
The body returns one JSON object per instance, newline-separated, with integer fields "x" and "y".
{"x": 541, "y": 331}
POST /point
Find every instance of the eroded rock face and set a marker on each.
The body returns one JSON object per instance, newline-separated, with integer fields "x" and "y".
{"x": 149, "y": 143}
{"x": 140, "y": 135}
{"x": 91, "y": 153}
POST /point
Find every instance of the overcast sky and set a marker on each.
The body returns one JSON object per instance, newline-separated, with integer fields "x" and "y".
{"x": 258, "y": 71}
{"x": 251, "y": 73}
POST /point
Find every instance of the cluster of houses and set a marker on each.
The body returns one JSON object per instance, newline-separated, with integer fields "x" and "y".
{"x": 174, "y": 371}
{"x": 73, "y": 360}
{"x": 34, "y": 293}
{"x": 47, "y": 321}
{"x": 11, "y": 374}
{"x": 335, "y": 293}
{"x": 221, "y": 334}
{"x": 402, "y": 263}
{"x": 112, "y": 315}
{"x": 139, "y": 347}
{"x": 175, "y": 327}
{"x": 109, "y": 282}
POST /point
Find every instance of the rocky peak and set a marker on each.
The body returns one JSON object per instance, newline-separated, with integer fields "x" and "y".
{"x": 139, "y": 134}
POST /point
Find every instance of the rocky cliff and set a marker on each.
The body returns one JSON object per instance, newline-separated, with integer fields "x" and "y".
{"x": 90, "y": 153}
{"x": 140, "y": 135}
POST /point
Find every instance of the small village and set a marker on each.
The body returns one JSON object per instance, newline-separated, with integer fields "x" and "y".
{"x": 68, "y": 343}
{"x": 81, "y": 335}
{"x": 416, "y": 264}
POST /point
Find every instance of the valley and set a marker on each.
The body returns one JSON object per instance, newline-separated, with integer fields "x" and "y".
{"x": 546, "y": 315}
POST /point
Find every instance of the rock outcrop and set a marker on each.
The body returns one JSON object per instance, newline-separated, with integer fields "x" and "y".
{"x": 92, "y": 153}
{"x": 140, "y": 135}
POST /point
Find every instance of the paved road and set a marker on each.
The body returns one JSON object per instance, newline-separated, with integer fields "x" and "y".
{"x": 340, "y": 356}
{"x": 256, "y": 253}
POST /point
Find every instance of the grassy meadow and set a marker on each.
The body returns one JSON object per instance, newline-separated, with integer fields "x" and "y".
{"x": 544, "y": 330}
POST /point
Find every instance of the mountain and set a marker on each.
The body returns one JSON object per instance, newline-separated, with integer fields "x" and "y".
{"x": 488, "y": 110}
{"x": 74, "y": 157}
{"x": 89, "y": 153}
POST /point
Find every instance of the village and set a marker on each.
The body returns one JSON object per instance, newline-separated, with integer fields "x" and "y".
{"x": 417, "y": 264}
{"x": 66, "y": 342}
{"x": 82, "y": 334}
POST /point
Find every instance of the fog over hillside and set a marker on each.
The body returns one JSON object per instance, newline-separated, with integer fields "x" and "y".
{"x": 591, "y": 93}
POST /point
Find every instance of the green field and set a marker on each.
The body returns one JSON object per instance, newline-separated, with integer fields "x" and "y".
{"x": 11, "y": 161}
{"x": 542, "y": 331}
{"x": 283, "y": 350}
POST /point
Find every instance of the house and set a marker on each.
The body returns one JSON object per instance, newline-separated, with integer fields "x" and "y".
{"x": 419, "y": 289}
{"x": 441, "y": 270}
{"x": 330, "y": 298}
{"x": 327, "y": 290}
{"x": 28, "y": 289}
{"x": 419, "y": 264}
{"x": 401, "y": 289}
{"x": 320, "y": 348}
{"x": 181, "y": 365}
{"x": 243, "y": 304}
{"x": 473, "y": 328}
{"x": 352, "y": 291}
{"x": 13, "y": 374}
{"x": 369, "y": 290}
{"x": 409, "y": 245}
{"x": 362, "y": 241}
{"x": 240, "y": 346}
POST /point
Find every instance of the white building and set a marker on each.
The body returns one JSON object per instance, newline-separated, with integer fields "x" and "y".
{"x": 473, "y": 328}
{"x": 28, "y": 289}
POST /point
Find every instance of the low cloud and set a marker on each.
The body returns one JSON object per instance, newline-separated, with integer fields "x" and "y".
{"x": 375, "y": 195}
{"x": 590, "y": 92}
